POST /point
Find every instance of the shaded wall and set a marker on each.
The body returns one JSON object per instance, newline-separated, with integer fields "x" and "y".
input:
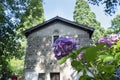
{"x": 40, "y": 57}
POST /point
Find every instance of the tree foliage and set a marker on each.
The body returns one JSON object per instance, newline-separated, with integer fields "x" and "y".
{"x": 33, "y": 15}
{"x": 13, "y": 14}
{"x": 17, "y": 69}
{"x": 10, "y": 12}
{"x": 109, "y": 5}
{"x": 115, "y": 26}
{"x": 83, "y": 15}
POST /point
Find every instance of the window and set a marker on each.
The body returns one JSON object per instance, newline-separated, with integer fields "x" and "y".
{"x": 41, "y": 76}
{"x": 54, "y": 76}
{"x": 55, "y": 37}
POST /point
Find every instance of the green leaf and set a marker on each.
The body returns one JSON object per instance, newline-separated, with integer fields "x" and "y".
{"x": 77, "y": 65}
{"x": 100, "y": 46}
{"x": 73, "y": 55}
{"x": 108, "y": 58}
{"x": 109, "y": 68}
{"x": 81, "y": 49}
{"x": 117, "y": 56}
{"x": 102, "y": 57}
{"x": 62, "y": 60}
{"x": 118, "y": 44}
{"x": 91, "y": 53}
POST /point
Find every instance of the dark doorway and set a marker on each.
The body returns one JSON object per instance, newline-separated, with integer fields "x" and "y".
{"x": 41, "y": 76}
{"x": 54, "y": 76}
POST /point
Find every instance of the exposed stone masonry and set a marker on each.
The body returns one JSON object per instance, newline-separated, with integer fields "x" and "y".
{"x": 41, "y": 45}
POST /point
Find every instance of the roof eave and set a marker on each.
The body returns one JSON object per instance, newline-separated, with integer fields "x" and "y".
{"x": 57, "y": 18}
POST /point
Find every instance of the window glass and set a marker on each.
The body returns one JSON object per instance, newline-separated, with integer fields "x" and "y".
{"x": 55, "y": 37}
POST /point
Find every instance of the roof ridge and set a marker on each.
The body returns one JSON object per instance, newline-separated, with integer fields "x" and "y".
{"x": 57, "y": 18}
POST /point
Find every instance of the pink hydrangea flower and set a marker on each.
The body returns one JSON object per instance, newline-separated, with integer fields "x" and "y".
{"x": 113, "y": 38}
{"x": 80, "y": 54}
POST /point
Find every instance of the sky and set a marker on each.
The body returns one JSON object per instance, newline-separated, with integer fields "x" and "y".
{"x": 65, "y": 9}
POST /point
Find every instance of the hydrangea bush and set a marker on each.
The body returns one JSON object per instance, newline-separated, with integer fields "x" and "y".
{"x": 101, "y": 60}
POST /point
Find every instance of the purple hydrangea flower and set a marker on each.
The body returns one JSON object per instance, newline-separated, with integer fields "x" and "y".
{"x": 63, "y": 46}
{"x": 103, "y": 40}
{"x": 108, "y": 42}
{"x": 113, "y": 38}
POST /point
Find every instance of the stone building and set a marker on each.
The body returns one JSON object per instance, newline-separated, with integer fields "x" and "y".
{"x": 40, "y": 63}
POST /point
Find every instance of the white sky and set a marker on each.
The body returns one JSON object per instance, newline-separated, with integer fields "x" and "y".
{"x": 65, "y": 9}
